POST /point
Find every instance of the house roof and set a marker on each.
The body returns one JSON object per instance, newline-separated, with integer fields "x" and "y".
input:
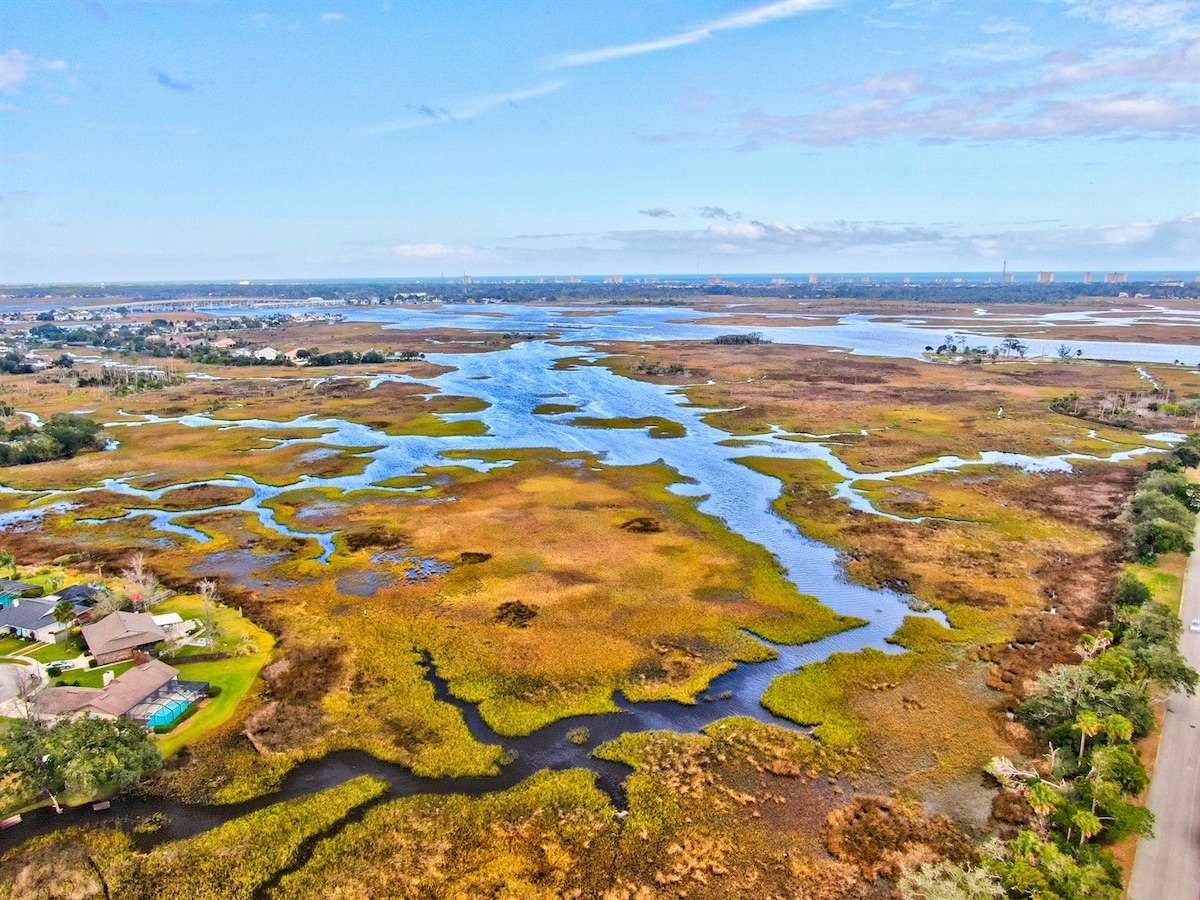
{"x": 27, "y": 613}
{"x": 123, "y": 694}
{"x": 78, "y": 593}
{"x": 20, "y": 588}
{"x": 122, "y": 631}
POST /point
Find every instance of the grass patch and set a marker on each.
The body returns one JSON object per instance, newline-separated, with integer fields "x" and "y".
{"x": 72, "y": 648}
{"x": 1164, "y": 578}
{"x": 554, "y": 409}
{"x": 659, "y": 427}
{"x": 92, "y": 678}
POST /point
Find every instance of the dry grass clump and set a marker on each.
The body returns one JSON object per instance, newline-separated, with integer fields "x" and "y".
{"x": 72, "y": 864}
{"x": 882, "y": 837}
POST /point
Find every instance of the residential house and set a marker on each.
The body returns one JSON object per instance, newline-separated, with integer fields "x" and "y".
{"x": 121, "y": 634}
{"x": 126, "y": 694}
{"x": 33, "y": 618}
{"x": 270, "y": 354}
{"x": 10, "y": 589}
{"x": 224, "y": 344}
{"x": 81, "y": 596}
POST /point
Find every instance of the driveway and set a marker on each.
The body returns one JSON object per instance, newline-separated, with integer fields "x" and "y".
{"x": 1167, "y": 866}
{"x": 11, "y": 676}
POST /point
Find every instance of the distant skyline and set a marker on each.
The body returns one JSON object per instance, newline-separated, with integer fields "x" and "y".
{"x": 147, "y": 141}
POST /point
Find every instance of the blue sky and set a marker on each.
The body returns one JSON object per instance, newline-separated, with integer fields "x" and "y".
{"x": 229, "y": 140}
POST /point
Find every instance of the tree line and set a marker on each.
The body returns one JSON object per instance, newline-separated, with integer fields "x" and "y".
{"x": 64, "y": 436}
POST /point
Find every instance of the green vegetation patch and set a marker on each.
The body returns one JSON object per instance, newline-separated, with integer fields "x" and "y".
{"x": 659, "y": 427}
{"x": 553, "y": 409}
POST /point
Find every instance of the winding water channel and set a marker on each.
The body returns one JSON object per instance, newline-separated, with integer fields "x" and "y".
{"x": 513, "y": 383}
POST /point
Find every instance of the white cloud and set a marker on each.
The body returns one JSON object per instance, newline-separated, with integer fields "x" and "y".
{"x": 14, "y": 69}
{"x": 1135, "y": 15}
{"x": 1179, "y": 64}
{"x": 332, "y": 17}
{"x": 749, "y": 19}
{"x": 1164, "y": 240}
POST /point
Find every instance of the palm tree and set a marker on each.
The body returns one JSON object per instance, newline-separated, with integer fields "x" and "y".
{"x": 1117, "y": 728}
{"x": 1042, "y": 798}
{"x": 1088, "y": 725}
{"x": 7, "y": 559}
{"x": 1088, "y": 823}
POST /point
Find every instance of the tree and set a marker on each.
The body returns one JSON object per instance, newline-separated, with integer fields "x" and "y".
{"x": 9, "y": 561}
{"x": 64, "y": 611}
{"x": 1088, "y": 725}
{"x": 947, "y": 881}
{"x": 148, "y": 589}
{"x": 1064, "y": 352}
{"x": 85, "y": 754}
{"x": 208, "y": 593}
{"x": 1130, "y": 592}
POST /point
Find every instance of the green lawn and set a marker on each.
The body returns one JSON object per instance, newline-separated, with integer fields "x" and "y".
{"x": 10, "y": 645}
{"x": 234, "y": 675}
{"x": 1164, "y": 578}
{"x": 49, "y": 652}
{"x": 93, "y": 678}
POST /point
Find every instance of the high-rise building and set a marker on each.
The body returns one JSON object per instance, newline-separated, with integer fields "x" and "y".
{"x": 812, "y": 279}
{"x": 1087, "y": 277}
{"x": 1116, "y": 278}
{"x": 467, "y": 279}
{"x": 1009, "y": 277}
{"x": 1045, "y": 277}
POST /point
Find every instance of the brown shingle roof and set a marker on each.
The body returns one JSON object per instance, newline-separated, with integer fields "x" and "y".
{"x": 122, "y": 631}
{"x": 123, "y": 694}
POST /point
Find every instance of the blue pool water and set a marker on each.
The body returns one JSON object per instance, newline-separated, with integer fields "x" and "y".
{"x": 168, "y": 713}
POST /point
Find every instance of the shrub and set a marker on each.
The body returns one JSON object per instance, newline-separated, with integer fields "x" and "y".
{"x": 1130, "y": 591}
{"x": 1149, "y": 539}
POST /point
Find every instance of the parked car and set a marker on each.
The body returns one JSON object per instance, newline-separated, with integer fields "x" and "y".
{"x": 1195, "y": 626}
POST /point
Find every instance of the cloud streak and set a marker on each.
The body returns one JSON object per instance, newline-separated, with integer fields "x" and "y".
{"x": 1165, "y": 239}
{"x": 172, "y": 84}
{"x": 428, "y": 114}
{"x": 750, "y": 18}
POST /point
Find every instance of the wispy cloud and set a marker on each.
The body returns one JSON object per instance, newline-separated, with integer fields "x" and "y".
{"x": 430, "y": 114}
{"x": 14, "y": 69}
{"x": 1119, "y": 93}
{"x": 429, "y": 251}
{"x": 674, "y": 137}
{"x": 1136, "y": 15}
{"x": 657, "y": 212}
{"x": 333, "y": 17}
{"x": 173, "y": 84}
{"x": 1162, "y": 239}
{"x": 750, "y": 18}
{"x": 1003, "y": 26}
{"x": 718, "y": 212}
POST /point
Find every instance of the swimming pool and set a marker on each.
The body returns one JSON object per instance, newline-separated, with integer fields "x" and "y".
{"x": 168, "y": 712}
